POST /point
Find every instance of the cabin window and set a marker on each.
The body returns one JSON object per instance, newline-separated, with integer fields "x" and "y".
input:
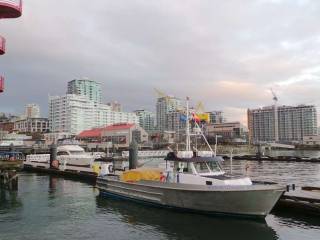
{"x": 182, "y": 167}
{"x": 61, "y": 153}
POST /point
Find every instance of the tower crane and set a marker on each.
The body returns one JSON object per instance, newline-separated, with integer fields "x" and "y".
{"x": 276, "y": 123}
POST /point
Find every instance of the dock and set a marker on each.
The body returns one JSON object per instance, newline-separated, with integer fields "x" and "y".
{"x": 305, "y": 200}
{"x": 270, "y": 158}
{"x": 8, "y": 173}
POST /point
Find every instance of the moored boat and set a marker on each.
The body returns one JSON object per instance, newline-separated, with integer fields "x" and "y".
{"x": 70, "y": 158}
{"x": 194, "y": 181}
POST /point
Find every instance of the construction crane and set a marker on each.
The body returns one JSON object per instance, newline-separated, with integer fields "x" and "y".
{"x": 168, "y": 99}
{"x": 199, "y": 107}
{"x": 276, "y": 127}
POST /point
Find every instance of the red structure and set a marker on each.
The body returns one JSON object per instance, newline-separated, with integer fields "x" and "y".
{"x": 1, "y": 84}
{"x": 8, "y": 9}
{"x": 2, "y": 45}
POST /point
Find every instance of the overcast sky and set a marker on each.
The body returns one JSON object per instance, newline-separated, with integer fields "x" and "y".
{"x": 227, "y": 54}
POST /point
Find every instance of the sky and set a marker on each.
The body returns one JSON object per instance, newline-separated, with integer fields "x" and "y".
{"x": 227, "y": 54}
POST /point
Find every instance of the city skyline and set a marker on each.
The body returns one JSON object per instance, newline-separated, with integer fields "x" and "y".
{"x": 228, "y": 59}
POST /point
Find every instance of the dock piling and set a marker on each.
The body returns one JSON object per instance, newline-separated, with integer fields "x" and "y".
{"x": 133, "y": 155}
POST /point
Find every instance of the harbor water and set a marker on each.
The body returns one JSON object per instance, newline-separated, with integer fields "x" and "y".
{"x": 48, "y": 207}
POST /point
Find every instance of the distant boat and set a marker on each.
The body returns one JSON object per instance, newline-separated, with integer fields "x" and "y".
{"x": 69, "y": 158}
{"x": 193, "y": 181}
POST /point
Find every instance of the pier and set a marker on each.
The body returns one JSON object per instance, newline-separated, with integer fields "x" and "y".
{"x": 305, "y": 200}
{"x": 10, "y": 164}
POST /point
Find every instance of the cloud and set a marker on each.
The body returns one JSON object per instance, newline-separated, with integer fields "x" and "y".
{"x": 227, "y": 54}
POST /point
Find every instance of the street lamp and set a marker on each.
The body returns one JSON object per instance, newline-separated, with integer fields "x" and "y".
{"x": 215, "y": 146}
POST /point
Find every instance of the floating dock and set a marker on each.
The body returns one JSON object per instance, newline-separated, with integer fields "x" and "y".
{"x": 269, "y": 158}
{"x": 70, "y": 174}
{"x": 305, "y": 200}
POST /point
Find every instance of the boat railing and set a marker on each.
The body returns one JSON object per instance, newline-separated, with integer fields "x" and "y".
{"x": 38, "y": 158}
{"x": 158, "y": 153}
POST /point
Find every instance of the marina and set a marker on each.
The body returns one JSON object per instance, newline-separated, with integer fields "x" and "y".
{"x": 120, "y": 154}
{"x": 293, "y": 199}
{"x": 78, "y": 212}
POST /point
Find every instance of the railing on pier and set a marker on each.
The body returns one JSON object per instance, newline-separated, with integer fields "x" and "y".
{"x": 5, "y": 156}
{"x": 159, "y": 153}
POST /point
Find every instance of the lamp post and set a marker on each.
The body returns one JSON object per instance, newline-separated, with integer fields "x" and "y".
{"x": 215, "y": 146}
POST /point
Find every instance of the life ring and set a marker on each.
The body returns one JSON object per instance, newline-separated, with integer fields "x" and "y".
{"x": 110, "y": 168}
{"x": 55, "y": 164}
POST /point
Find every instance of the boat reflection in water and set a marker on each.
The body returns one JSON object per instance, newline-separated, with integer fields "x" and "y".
{"x": 177, "y": 225}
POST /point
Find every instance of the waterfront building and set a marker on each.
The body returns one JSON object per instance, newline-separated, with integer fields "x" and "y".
{"x": 294, "y": 122}
{"x": 228, "y": 131}
{"x": 32, "y": 111}
{"x": 15, "y": 139}
{"x": 163, "y": 106}
{"x": 146, "y": 119}
{"x": 85, "y": 87}
{"x": 54, "y": 137}
{"x": 311, "y": 140}
{"x": 31, "y": 125}
{"x": 216, "y": 117}
{"x": 74, "y": 113}
{"x": 120, "y": 135}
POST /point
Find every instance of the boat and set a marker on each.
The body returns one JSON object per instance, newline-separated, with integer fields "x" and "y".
{"x": 71, "y": 158}
{"x": 193, "y": 181}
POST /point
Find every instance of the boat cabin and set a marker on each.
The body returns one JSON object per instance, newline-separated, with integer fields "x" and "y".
{"x": 202, "y": 164}
{"x": 70, "y": 150}
{"x": 199, "y": 168}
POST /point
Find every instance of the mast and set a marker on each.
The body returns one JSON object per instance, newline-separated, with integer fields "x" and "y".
{"x": 188, "y": 147}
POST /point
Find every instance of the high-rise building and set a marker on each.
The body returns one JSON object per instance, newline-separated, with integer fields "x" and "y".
{"x": 85, "y": 87}
{"x": 216, "y": 117}
{"x": 32, "y": 111}
{"x": 175, "y": 122}
{"x": 164, "y": 106}
{"x": 146, "y": 119}
{"x": 115, "y": 106}
{"x": 293, "y": 123}
{"x": 74, "y": 113}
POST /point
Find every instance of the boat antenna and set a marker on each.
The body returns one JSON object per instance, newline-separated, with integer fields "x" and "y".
{"x": 203, "y": 136}
{"x": 187, "y": 127}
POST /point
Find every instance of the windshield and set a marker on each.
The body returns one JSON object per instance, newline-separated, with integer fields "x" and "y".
{"x": 201, "y": 167}
{"x": 214, "y": 166}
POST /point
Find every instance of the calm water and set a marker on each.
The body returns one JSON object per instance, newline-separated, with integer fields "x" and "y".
{"x": 47, "y": 207}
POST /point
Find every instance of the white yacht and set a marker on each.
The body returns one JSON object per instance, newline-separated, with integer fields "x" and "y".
{"x": 69, "y": 158}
